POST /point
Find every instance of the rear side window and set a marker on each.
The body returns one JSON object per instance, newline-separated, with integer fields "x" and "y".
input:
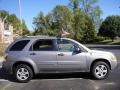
{"x": 19, "y": 46}
{"x": 43, "y": 45}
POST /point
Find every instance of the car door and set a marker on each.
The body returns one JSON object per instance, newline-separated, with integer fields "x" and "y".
{"x": 43, "y": 52}
{"x": 68, "y": 59}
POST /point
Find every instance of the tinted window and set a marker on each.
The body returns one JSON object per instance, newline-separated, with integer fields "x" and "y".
{"x": 43, "y": 45}
{"x": 19, "y": 46}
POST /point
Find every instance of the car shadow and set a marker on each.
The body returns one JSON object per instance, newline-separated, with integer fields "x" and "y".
{"x": 4, "y": 75}
{"x": 64, "y": 75}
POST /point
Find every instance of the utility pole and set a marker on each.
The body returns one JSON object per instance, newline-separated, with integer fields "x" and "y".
{"x": 21, "y": 31}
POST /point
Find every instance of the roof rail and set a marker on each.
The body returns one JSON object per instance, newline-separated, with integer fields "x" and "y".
{"x": 38, "y": 36}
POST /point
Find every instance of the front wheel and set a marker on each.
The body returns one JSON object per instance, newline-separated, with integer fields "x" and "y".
{"x": 100, "y": 70}
{"x": 23, "y": 73}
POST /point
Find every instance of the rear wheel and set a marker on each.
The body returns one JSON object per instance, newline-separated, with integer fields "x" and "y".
{"x": 100, "y": 70}
{"x": 23, "y": 73}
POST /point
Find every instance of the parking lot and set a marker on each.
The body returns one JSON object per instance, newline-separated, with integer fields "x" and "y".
{"x": 71, "y": 81}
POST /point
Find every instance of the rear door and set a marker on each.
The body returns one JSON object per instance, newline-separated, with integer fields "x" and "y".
{"x": 44, "y": 53}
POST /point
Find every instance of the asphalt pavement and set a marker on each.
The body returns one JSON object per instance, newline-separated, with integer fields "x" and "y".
{"x": 71, "y": 81}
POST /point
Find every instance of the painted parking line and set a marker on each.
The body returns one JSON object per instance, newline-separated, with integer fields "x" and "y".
{"x": 67, "y": 79}
{"x": 3, "y": 80}
{"x": 6, "y": 86}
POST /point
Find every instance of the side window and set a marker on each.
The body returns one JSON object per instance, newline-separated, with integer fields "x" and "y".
{"x": 19, "y": 46}
{"x": 43, "y": 45}
{"x": 65, "y": 45}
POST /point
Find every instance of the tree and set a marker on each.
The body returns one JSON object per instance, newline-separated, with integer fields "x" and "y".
{"x": 82, "y": 24}
{"x": 40, "y": 24}
{"x": 90, "y": 8}
{"x": 93, "y": 10}
{"x": 62, "y": 17}
{"x": 15, "y": 22}
{"x": 51, "y": 24}
{"x": 89, "y": 31}
{"x": 110, "y": 27}
{"x": 78, "y": 24}
{"x": 4, "y": 14}
{"x": 74, "y": 4}
{"x": 73, "y": 20}
{"x": 25, "y": 30}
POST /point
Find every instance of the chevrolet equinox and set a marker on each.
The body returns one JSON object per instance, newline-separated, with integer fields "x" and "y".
{"x": 28, "y": 56}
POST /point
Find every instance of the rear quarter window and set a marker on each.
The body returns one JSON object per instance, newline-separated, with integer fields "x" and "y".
{"x": 19, "y": 46}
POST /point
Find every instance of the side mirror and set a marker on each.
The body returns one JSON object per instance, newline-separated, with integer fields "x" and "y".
{"x": 77, "y": 50}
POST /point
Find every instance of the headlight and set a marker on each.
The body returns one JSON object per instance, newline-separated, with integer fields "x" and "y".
{"x": 113, "y": 57}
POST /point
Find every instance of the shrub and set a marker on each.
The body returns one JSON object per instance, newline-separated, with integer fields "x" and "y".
{"x": 2, "y": 49}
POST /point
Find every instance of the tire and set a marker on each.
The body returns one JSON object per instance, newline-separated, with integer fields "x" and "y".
{"x": 100, "y": 70}
{"x": 23, "y": 73}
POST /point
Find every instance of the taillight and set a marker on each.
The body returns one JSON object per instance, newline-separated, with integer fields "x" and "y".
{"x": 6, "y": 57}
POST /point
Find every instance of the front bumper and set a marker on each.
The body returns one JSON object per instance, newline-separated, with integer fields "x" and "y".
{"x": 113, "y": 65}
{"x": 7, "y": 66}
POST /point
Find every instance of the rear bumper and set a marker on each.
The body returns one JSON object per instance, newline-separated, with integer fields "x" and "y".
{"x": 7, "y": 66}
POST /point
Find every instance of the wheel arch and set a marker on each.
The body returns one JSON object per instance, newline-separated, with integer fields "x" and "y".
{"x": 26, "y": 63}
{"x": 98, "y": 60}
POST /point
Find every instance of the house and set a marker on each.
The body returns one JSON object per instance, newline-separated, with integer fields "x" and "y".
{"x": 6, "y": 33}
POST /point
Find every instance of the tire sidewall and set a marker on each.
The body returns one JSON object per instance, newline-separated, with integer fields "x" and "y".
{"x": 26, "y": 67}
{"x": 94, "y": 67}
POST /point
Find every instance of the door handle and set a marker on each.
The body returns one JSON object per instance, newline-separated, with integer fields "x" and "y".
{"x": 60, "y": 54}
{"x": 32, "y": 53}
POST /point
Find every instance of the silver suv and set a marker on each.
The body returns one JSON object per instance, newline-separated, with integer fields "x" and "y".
{"x": 28, "y": 56}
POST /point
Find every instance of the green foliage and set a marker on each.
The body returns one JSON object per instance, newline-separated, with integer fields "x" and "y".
{"x": 25, "y": 29}
{"x": 89, "y": 31}
{"x": 90, "y": 8}
{"x": 2, "y": 49}
{"x": 14, "y": 21}
{"x": 73, "y": 20}
{"x": 40, "y": 23}
{"x": 62, "y": 16}
{"x": 74, "y": 4}
{"x": 110, "y": 27}
{"x": 82, "y": 24}
{"x": 3, "y": 14}
{"x": 51, "y": 24}
{"x": 78, "y": 24}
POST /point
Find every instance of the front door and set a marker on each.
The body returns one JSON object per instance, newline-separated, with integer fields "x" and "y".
{"x": 68, "y": 59}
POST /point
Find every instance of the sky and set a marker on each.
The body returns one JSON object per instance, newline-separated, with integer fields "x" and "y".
{"x": 31, "y": 8}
